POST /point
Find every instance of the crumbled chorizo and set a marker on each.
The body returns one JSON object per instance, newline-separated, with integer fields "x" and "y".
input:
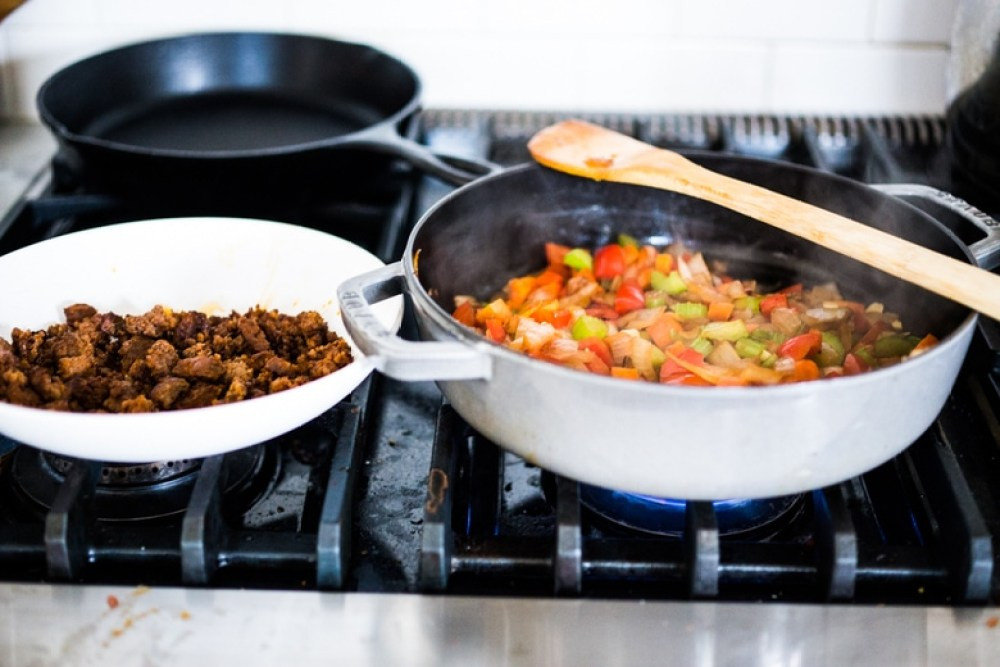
{"x": 165, "y": 360}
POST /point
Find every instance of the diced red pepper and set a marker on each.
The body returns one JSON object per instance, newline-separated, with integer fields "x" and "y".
{"x": 629, "y": 297}
{"x": 609, "y": 261}
{"x": 792, "y": 289}
{"x": 772, "y": 301}
{"x": 495, "y": 330}
{"x": 801, "y": 346}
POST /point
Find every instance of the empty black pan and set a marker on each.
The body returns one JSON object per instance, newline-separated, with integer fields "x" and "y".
{"x": 237, "y": 111}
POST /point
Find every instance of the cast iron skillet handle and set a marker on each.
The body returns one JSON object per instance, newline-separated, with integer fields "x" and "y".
{"x": 451, "y": 169}
{"x": 986, "y": 250}
{"x": 394, "y": 356}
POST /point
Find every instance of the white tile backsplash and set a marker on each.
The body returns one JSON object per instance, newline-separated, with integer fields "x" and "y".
{"x": 813, "y": 79}
{"x": 913, "y": 20}
{"x": 844, "y": 20}
{"x": 758, "y": 56}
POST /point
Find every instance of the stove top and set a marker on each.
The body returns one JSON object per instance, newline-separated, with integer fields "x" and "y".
{"x": 391, "y": 491}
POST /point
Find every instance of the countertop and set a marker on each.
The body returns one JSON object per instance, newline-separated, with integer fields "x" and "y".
{"x": 66, "y": 625}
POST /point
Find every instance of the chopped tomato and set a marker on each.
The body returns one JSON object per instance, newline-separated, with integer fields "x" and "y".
{"x": 670, "y": 367}
{"x": 561, "y": 318}
{"x": 772, "y": 301}
{"x": 792, "y": 289}
{"x": 609, "y": 262}
{"x": 801, "y": 346}
{"x": 465, "y": 313}
{"x": 598, "y": 347}
{"x": 597, "y": 365}
{"x": 555, "y": 253}
{"x": 550, "y": 276}
{"x": 663, "y": 329}
{"x": 629, "y": 297}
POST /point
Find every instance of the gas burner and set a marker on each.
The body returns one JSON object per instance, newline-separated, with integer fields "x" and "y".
{"x": 756, "y": 518}
{"x": 147, "y": 491}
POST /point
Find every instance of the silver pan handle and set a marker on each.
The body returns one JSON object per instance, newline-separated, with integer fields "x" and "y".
{"x": 395, "y": 356}
{"x": 986, "y": 250}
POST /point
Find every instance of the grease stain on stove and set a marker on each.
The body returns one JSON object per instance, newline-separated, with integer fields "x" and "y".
{"x": 437, "y": 484}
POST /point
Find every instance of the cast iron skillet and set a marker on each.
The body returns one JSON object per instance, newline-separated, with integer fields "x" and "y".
{"x": 237, "y": 111}
{"x": 694, "y": 443}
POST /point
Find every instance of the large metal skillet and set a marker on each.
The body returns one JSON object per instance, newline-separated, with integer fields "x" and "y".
{"x": 694, "y": 443}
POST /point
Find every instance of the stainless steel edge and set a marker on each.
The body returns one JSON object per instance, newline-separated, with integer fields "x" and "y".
{"x": 104, "y": 625}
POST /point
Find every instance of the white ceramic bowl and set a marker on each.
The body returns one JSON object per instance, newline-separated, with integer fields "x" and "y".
{"x": 215, "y": 265}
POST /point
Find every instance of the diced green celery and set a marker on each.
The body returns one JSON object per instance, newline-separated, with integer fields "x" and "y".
{"x": 748, "y": 348}
{"x": 588, "y": 326}
{"x": 895, "y": 345}
{"x": 578, "y": 258}
{"x": 731, "y": 330}
{"x": 767, "y": 359}
{"x": 655, "y": 298}
{"x": 689, "y": 310}
{"x": 864, "y": 353}
{"x": 702, "y": 346}
{"x": 671, "y": 284}
{"x": 626, "y": 240}
{"x": 831, "y": 350}
{"x": 768, "y": 336}
{"x": 751, "y": 303}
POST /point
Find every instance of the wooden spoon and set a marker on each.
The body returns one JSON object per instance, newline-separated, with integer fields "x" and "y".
{"x": 583, "y": 149}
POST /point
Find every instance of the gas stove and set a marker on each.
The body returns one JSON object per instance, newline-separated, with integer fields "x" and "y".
{"x": 390, "y": 506}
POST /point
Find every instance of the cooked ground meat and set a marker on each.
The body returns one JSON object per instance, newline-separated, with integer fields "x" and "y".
{"x": 162, "y": 360}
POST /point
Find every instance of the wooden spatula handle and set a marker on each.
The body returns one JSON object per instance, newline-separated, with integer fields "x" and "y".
{"x": 949, "y": 277}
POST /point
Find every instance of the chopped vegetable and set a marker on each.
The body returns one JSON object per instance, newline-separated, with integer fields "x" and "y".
{"x": 651, "y": 314}
{"x": 609, "y": 262}
{"x": 588, "y": 326}
{"x": 578, "y": 258}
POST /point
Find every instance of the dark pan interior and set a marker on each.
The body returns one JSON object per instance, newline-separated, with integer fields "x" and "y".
{"x": 496, "y": 229}
{"x": 226, "y": 92}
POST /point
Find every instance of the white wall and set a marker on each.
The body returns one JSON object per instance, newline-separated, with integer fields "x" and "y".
{"x": 782, "y": 56}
